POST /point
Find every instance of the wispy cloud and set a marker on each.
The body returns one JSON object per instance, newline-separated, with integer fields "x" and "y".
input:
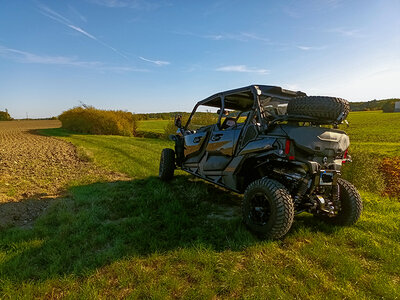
{"x": 32, "y": 58}
{"x": 310, "y": 48}
{"x": 298, "y": 9}
{"x": 135, "y": 4}
{"x": 156, "y": 62}
{"x": 347, "y": 32}
{"x": 215, "y": 7}
{"x": 83, "y": 32}
{"x": 77, "y": 13}
{"x": 240, "y": 37}
{"x": 250, "y": 36}
{"x": 27, "y": 57}
{"x": 291, "y": 11}
{"x": 332, "y": 3}
{"x": 242, "y": 69}
{"x": 48, "y": 12}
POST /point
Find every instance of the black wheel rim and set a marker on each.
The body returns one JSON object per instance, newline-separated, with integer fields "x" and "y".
{"x": 259, "y": 210}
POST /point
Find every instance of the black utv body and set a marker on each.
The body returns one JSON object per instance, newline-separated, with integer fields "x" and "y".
{"x": 281, "y": 148}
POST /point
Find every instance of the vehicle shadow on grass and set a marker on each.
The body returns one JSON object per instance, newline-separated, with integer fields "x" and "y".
{"x": 103, "y": 222}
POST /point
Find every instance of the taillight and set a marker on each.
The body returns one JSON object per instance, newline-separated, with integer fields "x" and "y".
{"x": 345, "y": 156}
{"x": 287, "y": 149}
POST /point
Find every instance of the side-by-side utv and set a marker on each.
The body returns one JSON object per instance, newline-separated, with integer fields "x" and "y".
{"x": 281, "y": 148}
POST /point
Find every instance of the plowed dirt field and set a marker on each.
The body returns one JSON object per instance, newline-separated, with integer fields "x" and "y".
{"x": 35, "y": 169}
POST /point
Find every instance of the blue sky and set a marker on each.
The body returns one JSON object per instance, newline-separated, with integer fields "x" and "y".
{"x": 152, "y": 56}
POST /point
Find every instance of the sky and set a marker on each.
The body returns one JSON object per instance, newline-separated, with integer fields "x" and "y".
{"x": 161, "y": 56}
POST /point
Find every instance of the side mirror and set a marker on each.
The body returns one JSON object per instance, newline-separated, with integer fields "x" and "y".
{"x": 178, "y": 121}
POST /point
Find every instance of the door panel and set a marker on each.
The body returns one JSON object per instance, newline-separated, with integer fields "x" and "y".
{"x": 194, "y": 143}
{"x": 216, "y": 163}
{"x": 223, "y": 142}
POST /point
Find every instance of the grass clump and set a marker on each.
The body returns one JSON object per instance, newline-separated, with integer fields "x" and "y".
{"x": 364, "y": 172}
{"x": 87, "y": 119}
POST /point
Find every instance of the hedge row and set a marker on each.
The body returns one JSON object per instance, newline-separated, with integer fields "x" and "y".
{"x": 96, "y": 121}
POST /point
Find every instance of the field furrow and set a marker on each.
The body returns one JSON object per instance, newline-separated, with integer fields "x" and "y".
{"x": 34, "y": 168}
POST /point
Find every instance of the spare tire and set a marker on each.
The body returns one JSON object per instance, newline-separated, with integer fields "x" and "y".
{"x": 325, "y": 109}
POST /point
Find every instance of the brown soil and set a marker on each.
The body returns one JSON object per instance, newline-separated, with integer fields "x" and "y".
{"x": 35, "y": 169}
{"x": 390, "y": 168}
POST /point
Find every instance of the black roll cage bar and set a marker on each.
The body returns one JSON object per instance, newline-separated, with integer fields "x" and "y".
{"x": 256, "y": 90}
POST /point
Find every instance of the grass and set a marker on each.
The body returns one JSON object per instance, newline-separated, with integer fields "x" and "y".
{"x": 147, "y": 239}
{"x": 154, "y": 126}
{"x": 374, "y": 127}
{"x": 374, "y": 132}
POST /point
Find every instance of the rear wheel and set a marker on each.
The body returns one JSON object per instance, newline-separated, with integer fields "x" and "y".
{"x": 350, "y": 205}
{"x": 268, "y": 208}
{"x": 167, "y": 164}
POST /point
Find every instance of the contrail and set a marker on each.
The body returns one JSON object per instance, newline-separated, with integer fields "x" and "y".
{"x": 44, "y": 10}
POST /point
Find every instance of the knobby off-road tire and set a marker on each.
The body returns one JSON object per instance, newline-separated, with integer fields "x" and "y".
{"x": 325, "y": 109}
{"x": 268, "y": 208}
{"x": 351, "y": 205}
{"x": 167, "y": 164}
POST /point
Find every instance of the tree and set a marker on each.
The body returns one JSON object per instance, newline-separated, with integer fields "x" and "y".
{"x": 388, "y": 107}
{"x": 5, "y": 116}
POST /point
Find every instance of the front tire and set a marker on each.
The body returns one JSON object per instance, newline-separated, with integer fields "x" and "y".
{"x": 167, "y": 164}
{"x": 268, "y": 208}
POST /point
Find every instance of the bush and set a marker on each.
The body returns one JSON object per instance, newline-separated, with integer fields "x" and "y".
{"x": 5, "y": 116}
{"x": 388, "y": 107}
{"x": 170, "y": 129}
{"x": 90, "y": 120}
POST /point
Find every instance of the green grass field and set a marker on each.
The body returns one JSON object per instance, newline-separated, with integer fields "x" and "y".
{"x": 143, "y": 238}
{"x": 155, "y": 126}
{"x": 374, "y": 132}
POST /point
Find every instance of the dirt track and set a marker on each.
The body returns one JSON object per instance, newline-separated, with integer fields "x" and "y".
{"x": 35, "y": 169}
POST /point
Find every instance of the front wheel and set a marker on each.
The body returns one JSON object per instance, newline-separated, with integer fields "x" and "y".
{"x": 268, "y": 208}
{"x": 167, "y": 164}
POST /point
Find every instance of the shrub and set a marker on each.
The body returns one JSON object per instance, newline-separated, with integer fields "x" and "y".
{"x": 388, "y": 107}
{"x": 5, "y": 116}
{"x": 170, "y": 129}
{"x": 90, "y": 120}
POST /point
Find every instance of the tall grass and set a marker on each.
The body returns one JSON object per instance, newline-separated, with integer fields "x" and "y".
{"x": 364, "y": 172}
{"x": 88, "y": 119}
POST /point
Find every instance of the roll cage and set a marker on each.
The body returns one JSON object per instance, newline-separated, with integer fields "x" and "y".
{"x": 253, "y": 98}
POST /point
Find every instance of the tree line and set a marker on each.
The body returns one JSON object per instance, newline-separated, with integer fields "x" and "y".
{"x": 387, "y": 105}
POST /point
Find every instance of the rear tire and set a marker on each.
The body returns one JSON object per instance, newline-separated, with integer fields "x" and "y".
{"x": 325, "y": 109}
{"x": 167, "y": 164}
{"x": 268, "y": 208}
{"x": 351, "y": 205}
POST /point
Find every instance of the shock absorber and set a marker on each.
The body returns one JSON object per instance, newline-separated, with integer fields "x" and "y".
{"x": 301, "y": 191}
{"x": 336, "y": 197}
